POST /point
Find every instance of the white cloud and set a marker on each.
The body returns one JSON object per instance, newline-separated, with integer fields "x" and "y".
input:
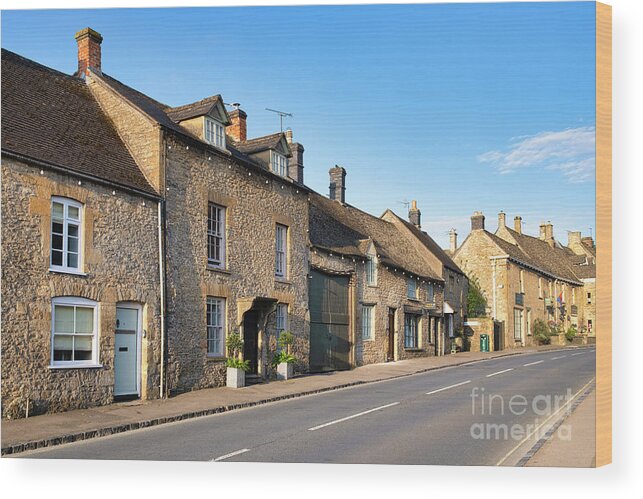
{"x": 570, "y": 151}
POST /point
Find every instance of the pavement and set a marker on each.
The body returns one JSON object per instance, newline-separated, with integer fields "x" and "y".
{"x": 575, "y": 443}
{"x": 50, "y": 430}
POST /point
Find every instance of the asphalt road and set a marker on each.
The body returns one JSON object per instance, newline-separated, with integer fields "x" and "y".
{"x": 461, "y": 415}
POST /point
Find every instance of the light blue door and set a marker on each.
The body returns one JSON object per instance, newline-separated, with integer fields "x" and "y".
{"x": 125, "y": 352}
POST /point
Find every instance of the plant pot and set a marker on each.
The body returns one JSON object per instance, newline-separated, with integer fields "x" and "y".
{"x": 236, "y": 378}
{"x": 285, "y": 370}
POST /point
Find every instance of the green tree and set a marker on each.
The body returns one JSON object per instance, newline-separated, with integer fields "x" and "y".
{"x": 476, "y": 303}
{"x": 541, "y": 331}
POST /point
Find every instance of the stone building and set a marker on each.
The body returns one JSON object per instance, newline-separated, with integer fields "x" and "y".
{"x": 81, "y": 293}
{"x": 373, "y": 297}
{"x": 523, "y": 278}
{"x": 236, "y": 219}
{"x": 582, "y": 254}
{"x": 456, "y": 284}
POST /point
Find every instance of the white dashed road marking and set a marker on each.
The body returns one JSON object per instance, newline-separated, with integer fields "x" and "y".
{"x": 500, "y": 372}
{"x": 447, "y": 387}
{"x": 560, "y": 357}
{"x": 578, "y": 353}
{"x": 351, "y": 417}
{"x": 533, "y": 363}
{"x": 232, "y": 454}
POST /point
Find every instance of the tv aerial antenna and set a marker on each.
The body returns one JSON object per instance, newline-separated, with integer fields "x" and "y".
{"x": 281, "y": 114}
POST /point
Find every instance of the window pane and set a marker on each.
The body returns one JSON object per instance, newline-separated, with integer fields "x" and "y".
{"x": 73, "y": 212}
{"x": 72, "y": 244}
{"x": 63, "y": 319}
{"x": 84, "y": 320}
{"x": 72, "y": 230}
{"x": 82, "y": 348}
{"x": 57, "y": 228}
{"x": 63, "y": 347}
{"x": 72, "y": 260}
{"x": 56, "y": 258}
{"x": 57, "y": 210}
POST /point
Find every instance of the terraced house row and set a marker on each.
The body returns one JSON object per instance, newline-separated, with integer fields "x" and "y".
{"x": 137, "y": 236}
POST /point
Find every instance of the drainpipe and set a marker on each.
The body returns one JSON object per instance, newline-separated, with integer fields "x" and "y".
{"x": 162, "y": 290}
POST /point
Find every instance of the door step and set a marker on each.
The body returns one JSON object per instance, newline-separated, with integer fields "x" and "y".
{"x": 253, "y": 379}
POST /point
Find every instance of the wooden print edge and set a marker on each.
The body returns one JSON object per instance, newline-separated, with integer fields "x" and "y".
{"x": 603, "y": 427}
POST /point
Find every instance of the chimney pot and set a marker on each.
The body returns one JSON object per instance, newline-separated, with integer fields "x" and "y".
{"x": 338, "y": 184}
{"x": 89, "y": 56}
{"x": 415, "y": 214}
{"x": 518, "y": 224}
{"x": 296, "y": 161}
{"x": 573, "y": 238}
{"x": 288, "y": 133}
{"x": 588, "y": 241}
{"x": 237, "y": 130}
{"x": 477, "y": 221}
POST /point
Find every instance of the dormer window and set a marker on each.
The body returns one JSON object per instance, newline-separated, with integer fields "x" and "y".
{"x": 278, "y": 163}
{"x": 214, "y": 133}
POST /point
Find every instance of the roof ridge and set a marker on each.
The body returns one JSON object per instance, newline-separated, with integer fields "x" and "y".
{"x": 212, "y": 98}
{"x": 36, "y": 65}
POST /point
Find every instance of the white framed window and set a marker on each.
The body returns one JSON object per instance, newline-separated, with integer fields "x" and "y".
{"x": 411, "y": 329}
{"x": 74, "y": 332}
{"x": 368, "y": 317}
{"x": 215, "y": 319}
{"x": 216, "y": 235}
{"x": 589, "y": 298}
{"x": 371, "y": 271}
{"x": 281, "y": 321}
{"x": 430, "y": 292}
{"x": 66, "y": 235}
{"x": 281, "y": 250}
{"x": 279, "y": 163}
{"x": 214, "y": 133}
{"x": 411, "y": 289}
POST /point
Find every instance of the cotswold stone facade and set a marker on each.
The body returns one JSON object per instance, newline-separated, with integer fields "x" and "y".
{"x": 522, "y": 278}
{"x": 120, "y": 255}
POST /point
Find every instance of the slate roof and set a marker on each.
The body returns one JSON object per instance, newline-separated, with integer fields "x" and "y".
{"x": 53, "y": 118}
{"x": 259, "y": 144}
{"x": 194, "y": 109}
{"x": 537, "y": 254}
{"x": 431, "y": 245}
{"x": 160, "y": 113}
{"x": 346, "y": 230}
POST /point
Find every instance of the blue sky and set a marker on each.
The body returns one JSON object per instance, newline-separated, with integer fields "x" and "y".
{"x": 461, "y": 106}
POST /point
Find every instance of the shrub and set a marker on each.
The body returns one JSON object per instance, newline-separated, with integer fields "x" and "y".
{"x": 542, "y": 332}
{"x": 476, "y": 303}
{"x": 283, "y": 357}
{"x": 570, "y": 334}
{"x": 286, "y": 339}
{"x": 234, "y": 344}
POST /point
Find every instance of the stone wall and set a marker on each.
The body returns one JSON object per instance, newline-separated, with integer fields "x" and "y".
{"x": 120, "y": 255}
{"x": 255, "y": 202}
{"x": 474, "y": 328}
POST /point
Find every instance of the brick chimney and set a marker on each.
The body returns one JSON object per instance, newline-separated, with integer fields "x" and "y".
{"x": 415, "y": 214}
{"x": 588, "y": 241}
{"x": 477, "y": 221}
{"x": 238, "y": 130}
{"x": 502, "y": 219}
{"x": 88, "y": 51}
{"x": 296, "y": 162}
{"x": 518, "y": 224}
{"x": 338, "y": 184}
{"x": 453, "y": 240}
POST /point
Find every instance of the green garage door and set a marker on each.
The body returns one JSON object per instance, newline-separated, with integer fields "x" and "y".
{"x": 329, "y": 322}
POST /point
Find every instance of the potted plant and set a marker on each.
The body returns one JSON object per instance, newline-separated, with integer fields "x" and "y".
{"x": 236, "y": 366}
{"x": 283, "y": 360}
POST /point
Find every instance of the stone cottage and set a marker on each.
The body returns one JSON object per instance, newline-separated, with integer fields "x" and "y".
{"x": 235, "y": 216}
{"x": 373, "y": 297}
{"x": 456, "y": 284}
{"x": 582, "y": 254}
{"x": 523, "y": 278}
{"x": 81, "y": 274}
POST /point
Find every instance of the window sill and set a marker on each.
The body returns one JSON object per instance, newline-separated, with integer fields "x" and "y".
{"x": 89, "y": 366}
{"x": 221, "y": 270}
{"x": 282, "y": 280}
{"x": 215, "y": 358}
{"x": 413, "y": 349}
{"x": 372, "y": 285}
{"x": 417, "y": 300}
{"x": 68, "y": 271}
{"x": 370, "y": 340}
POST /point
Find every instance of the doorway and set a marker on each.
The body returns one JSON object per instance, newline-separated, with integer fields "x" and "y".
{"x": 251, "y": 340}
{"x": 127, "y": 352}
{"x": 391, "y": 335}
